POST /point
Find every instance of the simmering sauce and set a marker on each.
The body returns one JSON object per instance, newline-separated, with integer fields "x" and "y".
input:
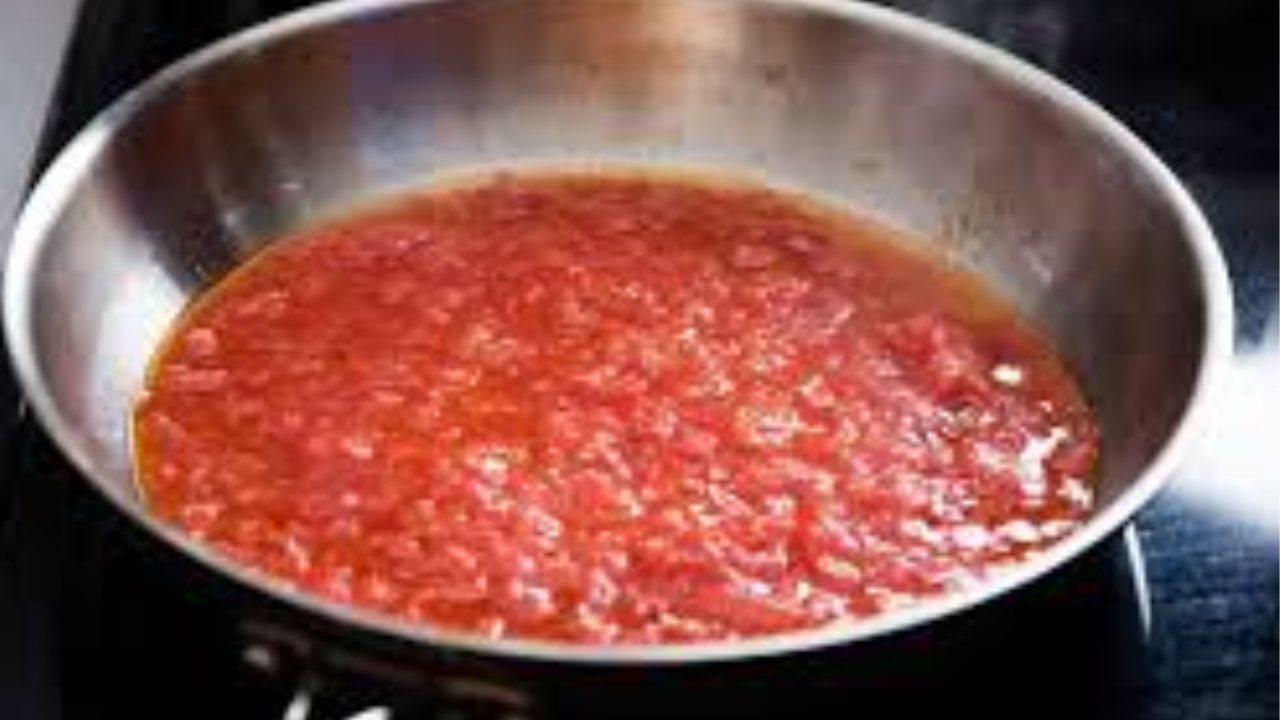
{"x": 612, "y": 408}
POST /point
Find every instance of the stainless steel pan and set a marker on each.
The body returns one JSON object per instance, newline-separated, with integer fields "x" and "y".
{"x": 1000, "y": 166}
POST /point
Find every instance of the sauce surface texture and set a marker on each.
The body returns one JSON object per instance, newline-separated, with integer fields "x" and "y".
{"x": 612, "y": 408}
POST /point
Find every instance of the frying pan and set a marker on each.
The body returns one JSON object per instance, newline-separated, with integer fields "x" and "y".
{"x": 1001, "y": 168}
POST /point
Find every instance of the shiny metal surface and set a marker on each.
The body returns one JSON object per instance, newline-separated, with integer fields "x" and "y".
{"x": 1001, "y": 167}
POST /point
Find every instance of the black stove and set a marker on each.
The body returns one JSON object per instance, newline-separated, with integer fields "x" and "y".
{"x": 1174, "y": 618}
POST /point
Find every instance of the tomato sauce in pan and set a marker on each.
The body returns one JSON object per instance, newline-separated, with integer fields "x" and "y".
{"x": 612, "y": 408}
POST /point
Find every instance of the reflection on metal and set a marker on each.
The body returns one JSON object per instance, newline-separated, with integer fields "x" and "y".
{"x": 299, "y": 707}
{"x": 1138, "y": 573}
{"x": 261, "y": 658}
{"x": 377, "y": 712}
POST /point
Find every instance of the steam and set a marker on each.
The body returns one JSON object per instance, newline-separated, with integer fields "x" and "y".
{"x": 1234, "y": 467}
{"x": 1037, "y": 30}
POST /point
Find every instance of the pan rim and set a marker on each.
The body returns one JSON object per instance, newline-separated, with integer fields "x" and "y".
{"x": 78, "y": 158}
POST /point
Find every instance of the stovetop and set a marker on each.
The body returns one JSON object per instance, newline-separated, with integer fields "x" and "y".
{"x": 1175, "y": 618}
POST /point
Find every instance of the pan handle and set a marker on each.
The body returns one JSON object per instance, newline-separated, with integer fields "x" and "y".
{"x": 352, "y": 691}
{"x": 302, "y": 706}
{"x": 307, "y": 702}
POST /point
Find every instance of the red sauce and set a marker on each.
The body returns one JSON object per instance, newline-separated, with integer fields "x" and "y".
{"x": 611, "y": 408}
